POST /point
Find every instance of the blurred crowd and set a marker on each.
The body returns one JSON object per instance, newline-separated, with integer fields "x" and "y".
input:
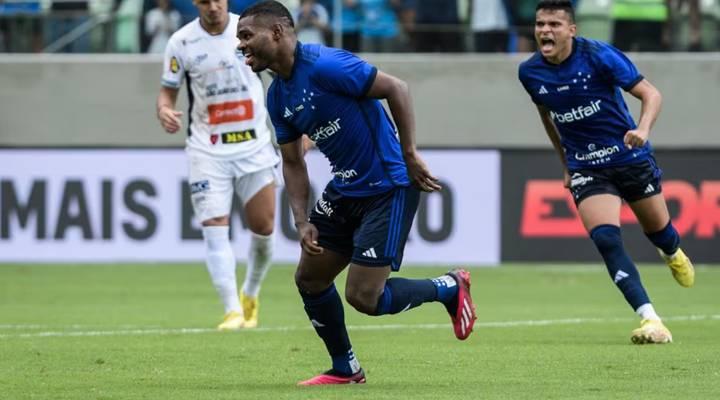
{"x": 135, "y": 26}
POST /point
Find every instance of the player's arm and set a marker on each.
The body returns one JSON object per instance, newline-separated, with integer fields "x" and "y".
{"x": 651, "y": 100}
{"x": 167, "y": 114}
{"x": 307, "y": 144}
{"x": 297, "y": 185}
{"x": 554, "y": 136}
{"x": 397, "y": 94}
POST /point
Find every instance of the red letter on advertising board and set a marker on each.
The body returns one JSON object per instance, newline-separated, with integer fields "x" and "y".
{"x": 537, "y": 215}
{"x": 709, "y": 210}
{"x": 687, "y": 198}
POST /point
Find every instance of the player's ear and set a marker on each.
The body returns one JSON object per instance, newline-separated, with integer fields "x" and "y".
{"x": 573, "y": 29}
{"x": 278, "y": 30}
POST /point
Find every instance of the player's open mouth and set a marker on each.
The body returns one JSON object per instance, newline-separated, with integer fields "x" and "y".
{"x": 248, "y": 58}
{"x": 547, "y": 44}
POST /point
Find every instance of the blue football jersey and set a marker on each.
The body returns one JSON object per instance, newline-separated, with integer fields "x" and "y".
{"x": 583, "y": 96}
{"x": 324, "y": 98}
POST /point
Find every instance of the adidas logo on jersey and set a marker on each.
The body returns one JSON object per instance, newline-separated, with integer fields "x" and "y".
{"x": 370, "y": 253}
{"x": 542, "y": 90}
{"x": 287, "y": 113}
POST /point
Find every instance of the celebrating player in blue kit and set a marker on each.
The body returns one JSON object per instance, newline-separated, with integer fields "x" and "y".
{"x": 366, "y": 211}
{"x": 606, "y": 157}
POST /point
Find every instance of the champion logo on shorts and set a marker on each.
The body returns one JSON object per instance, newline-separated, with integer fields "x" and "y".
{"x": 370, "y": 253}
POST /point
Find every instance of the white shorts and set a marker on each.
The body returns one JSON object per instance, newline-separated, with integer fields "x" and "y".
{"x": 213, "y": 181}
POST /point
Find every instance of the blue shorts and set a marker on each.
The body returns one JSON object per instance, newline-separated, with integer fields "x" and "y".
{"x": 371, "y": 230}
{"x": 630, "y": 182}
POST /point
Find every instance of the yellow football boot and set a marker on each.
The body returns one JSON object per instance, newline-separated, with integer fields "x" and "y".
{"x": 681, "y": 267}
{"x": 250, "y": 306}
{"x": 233, "y": 321}
{"x": 651, "y": 331}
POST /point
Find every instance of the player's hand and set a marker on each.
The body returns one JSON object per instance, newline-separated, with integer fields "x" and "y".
{"x": 566, "y": 178}
{"x": 635, "y": 138}
{"x": 170, "y": 119}
{"x": 308, "y": 238}
{"x": 419, "y": 174}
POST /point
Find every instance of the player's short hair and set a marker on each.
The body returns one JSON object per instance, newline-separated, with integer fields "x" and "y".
{"x": 552, "y": 5}
{"x": 271, "y": 9}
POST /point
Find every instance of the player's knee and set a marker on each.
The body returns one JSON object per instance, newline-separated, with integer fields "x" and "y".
{"x": 306, "y": 282}
{"x": 264, "y": 228}
{"x": 261, "y": 223}
{"x": 363, "y": 299}
{"x": 606, "y": 237}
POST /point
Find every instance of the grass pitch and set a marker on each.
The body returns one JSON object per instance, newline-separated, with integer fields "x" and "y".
{"x": 543, "y": 332}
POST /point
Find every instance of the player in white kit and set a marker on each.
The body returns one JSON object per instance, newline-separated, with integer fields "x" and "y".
{"x": 229, "y": 149}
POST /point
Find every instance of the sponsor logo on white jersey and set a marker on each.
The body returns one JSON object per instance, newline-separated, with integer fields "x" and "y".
{"x": 577, "y": 114}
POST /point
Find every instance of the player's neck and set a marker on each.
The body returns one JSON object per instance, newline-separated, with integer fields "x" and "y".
{"x": 218, "y": 28}
{"x": 286, "y": 60}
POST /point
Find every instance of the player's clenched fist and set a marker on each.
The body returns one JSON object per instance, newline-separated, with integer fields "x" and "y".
{"x": 170, "y": 119}
{"x": 635, "y": 138}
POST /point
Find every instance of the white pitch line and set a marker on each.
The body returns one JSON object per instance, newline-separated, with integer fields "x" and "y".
{"x": 185, "y": 331}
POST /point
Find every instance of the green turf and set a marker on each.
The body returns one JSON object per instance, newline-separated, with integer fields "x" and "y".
{"x": 115, "y": 332}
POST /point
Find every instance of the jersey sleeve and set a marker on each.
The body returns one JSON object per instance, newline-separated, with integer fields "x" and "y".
{"x": 522, "y": 76}
{"x": 173, "y": 70}
{"x": 342, "y": 72}
{"x": 617, "y": 68}
{"x": 284, "y": 132}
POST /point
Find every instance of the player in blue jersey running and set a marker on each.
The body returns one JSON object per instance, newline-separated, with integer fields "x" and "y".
{"x": 575, "y": 83}
{"x": 366, "y": 210}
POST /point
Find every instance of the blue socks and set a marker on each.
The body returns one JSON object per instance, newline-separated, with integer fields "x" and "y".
{"x": 326, "y": 314}
{"x": 402, "y": 294}
{"x": 608, "y": 240}
{"x": 667, "y": 239}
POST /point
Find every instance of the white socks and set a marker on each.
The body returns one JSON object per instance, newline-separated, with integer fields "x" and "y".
{"x": 647, "y": 311}
{"x": 221, "y": 265}
{"x": 259, "y": 258}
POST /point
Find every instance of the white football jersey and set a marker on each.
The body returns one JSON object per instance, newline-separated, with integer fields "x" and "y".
{"x": 227, "y": 116}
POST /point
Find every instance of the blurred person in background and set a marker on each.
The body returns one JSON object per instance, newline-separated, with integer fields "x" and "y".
{"x": 641, "y": 25}
{"x": 437, "y": 27}
{"x": 379, "y": 26}
{"x": 67, "y": 17}
{"x": 489, "y": 23}
{"x": 229, "y": 150}
{"x": 522, "y": 18}
{"x": 351, "y": 19}
{"x": 160, "y": 23}
{"x": 606, "y": 158}
{"x": 311, "y": 22}
{"x": 365, "y": 214}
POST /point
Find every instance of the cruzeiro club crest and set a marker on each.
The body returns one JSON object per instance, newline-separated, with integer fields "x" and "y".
{"x": 174, "y": 66}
